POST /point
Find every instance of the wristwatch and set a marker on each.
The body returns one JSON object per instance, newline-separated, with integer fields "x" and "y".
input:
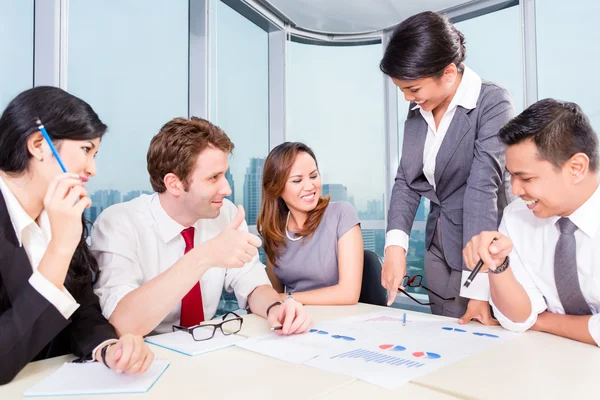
{"x": 103, "y": 354}
{"x": 288, "y": 296}
{"x": 501, "y": 268}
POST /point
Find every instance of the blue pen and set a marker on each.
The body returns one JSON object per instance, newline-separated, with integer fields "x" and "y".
{"x": 404, "y": 320}
{"x": 52, "y": 148}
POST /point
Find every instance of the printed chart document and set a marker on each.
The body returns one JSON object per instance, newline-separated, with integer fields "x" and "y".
{"x": 94, "y": 378}
{"x": 379, "y": 348}
{"x": 183, "y": 342}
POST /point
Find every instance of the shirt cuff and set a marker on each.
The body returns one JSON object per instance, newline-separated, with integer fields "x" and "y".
{"x": 516, "y": 326}
{"x": 60, "y": 299}
{"x": 396, "y": 237}
{"x": 101, "y": 345}
{"x": 594, "y": 327}
{"x": 246, "y": 284}
{"x": 479, "y": 289}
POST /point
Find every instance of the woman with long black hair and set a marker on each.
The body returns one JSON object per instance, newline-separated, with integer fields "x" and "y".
{"x": 47, "y": 304}
{"x": 451, "y": 155}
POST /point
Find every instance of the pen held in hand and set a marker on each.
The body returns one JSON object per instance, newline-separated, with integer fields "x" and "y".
{"x": 276, "y": 328}
{"x": 473, "y": 273}
{"x": 50, "y": 144}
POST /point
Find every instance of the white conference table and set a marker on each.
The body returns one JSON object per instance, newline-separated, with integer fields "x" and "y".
{"x": 532, "y": 366}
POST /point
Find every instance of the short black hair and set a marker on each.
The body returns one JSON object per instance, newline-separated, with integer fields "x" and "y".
{"x": 559, "y": 130}
{"x": 423, "y": 46}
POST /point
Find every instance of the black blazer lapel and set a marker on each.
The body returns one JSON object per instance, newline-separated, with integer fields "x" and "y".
{"x": 11, "y": 254}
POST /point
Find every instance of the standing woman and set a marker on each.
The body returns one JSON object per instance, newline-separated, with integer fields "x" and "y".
{"x": 47, "y": 305}
{"x": 451, "y": 155}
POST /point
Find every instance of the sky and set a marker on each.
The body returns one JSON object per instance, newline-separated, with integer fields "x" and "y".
{"x": 134, "y": 73}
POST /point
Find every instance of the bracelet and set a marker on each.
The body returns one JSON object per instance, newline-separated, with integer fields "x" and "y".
{"x": 273, "y": 305}
{"x": 502, "y": 267}
{"x": 288, "y": 296}
{"x": 103, "y": 354}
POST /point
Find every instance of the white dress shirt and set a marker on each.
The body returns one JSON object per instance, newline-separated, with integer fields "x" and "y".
{"x": 466, "y": 96}
{"x": 136, "y": 241}
{"x": 532, "y": 259}
{"x": 34, "y": 239}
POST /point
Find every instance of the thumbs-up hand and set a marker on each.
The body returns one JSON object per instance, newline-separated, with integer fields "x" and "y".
{"x": 233, "y": 248}
{"x": 238, "y": 219}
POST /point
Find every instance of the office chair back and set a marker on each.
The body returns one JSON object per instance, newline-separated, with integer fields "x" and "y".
{"x": 371, "y": 291}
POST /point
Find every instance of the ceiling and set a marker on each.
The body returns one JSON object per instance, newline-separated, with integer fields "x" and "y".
{"x": 354, "y": 16}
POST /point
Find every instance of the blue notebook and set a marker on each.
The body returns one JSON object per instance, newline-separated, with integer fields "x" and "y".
{"x": 94, "y": 378}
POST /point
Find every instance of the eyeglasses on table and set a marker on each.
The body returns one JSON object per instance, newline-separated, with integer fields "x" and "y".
{"x": 231, "y": 323}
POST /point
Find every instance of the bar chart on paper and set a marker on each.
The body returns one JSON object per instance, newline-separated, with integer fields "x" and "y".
{"x": 378, "y": 358}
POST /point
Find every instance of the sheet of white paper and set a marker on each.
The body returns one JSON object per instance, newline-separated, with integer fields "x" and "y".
{"x": 183, "y": 342}
{"x": 95, "y": 378}
{"x": 379, "y": 348}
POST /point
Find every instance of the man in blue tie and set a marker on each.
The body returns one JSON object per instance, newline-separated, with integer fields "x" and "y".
{"x": 544, "y": 263}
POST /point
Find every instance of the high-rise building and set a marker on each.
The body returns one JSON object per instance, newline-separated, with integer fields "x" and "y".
{"x": 352, "y": 201}
{"x": 253, "y": 189}
{"x": 421, "y": 214}
{"x": 229, "y": 178}
{"x": 101, "y": 199}
{"x": 368, "y": 236}
{"x": 91, "y": 214}
{"x": 375, "y": 209}
{"x": 336, "y": 191}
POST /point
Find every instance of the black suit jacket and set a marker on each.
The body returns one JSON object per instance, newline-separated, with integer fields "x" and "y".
{"x": 31, "y": 328}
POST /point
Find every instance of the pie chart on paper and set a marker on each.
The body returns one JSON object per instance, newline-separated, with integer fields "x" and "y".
{"x": 426, "y": 355}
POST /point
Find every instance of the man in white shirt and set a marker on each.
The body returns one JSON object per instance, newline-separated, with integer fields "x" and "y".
{"x": 544, "y": 263}
{"x": 165, "y": 258}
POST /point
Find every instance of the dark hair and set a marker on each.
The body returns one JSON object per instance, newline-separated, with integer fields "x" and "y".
{"x": 273, "y": 210}
{"x": 423, "y": 46}
{"x": 65, "y": 117}
{"x": 559, "y": 130}
{"x": 176, "y": 146}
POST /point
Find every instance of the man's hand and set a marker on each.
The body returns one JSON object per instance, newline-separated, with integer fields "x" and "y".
{"x": 478, "y": 310}
{"x": 394, "y": 269}
{"x": 130, "y": 355}
{"x": 232, "y": 248}
{"x": 291, "y": 316}
{"x": 491, "y": 247}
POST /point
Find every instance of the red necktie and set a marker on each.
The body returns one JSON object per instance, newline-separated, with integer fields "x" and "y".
{"x": 192, "y": 312}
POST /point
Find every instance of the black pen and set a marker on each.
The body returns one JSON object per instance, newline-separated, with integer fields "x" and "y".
{"x": 474, "y": 273}
{"x": 277, "y": 328}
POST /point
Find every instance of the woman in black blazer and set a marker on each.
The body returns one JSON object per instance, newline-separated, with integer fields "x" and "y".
{"x": 47, "y": 305}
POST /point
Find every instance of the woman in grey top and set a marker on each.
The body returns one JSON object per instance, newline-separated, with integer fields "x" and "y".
{"x": 314, "y": 247}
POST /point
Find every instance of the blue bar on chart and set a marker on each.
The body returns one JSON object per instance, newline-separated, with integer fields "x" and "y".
{"x": 371, "y": 356}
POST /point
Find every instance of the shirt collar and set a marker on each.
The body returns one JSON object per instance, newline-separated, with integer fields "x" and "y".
{"x": 467, "y": 93}
{"x": 168, "y": 227}
{"x": 18, "y": 216}
{"x": 587, "y": 216}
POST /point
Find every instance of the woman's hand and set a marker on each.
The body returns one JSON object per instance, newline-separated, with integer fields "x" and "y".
{"x": 65, "y": 201}
{"x": 130, "y": 355}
